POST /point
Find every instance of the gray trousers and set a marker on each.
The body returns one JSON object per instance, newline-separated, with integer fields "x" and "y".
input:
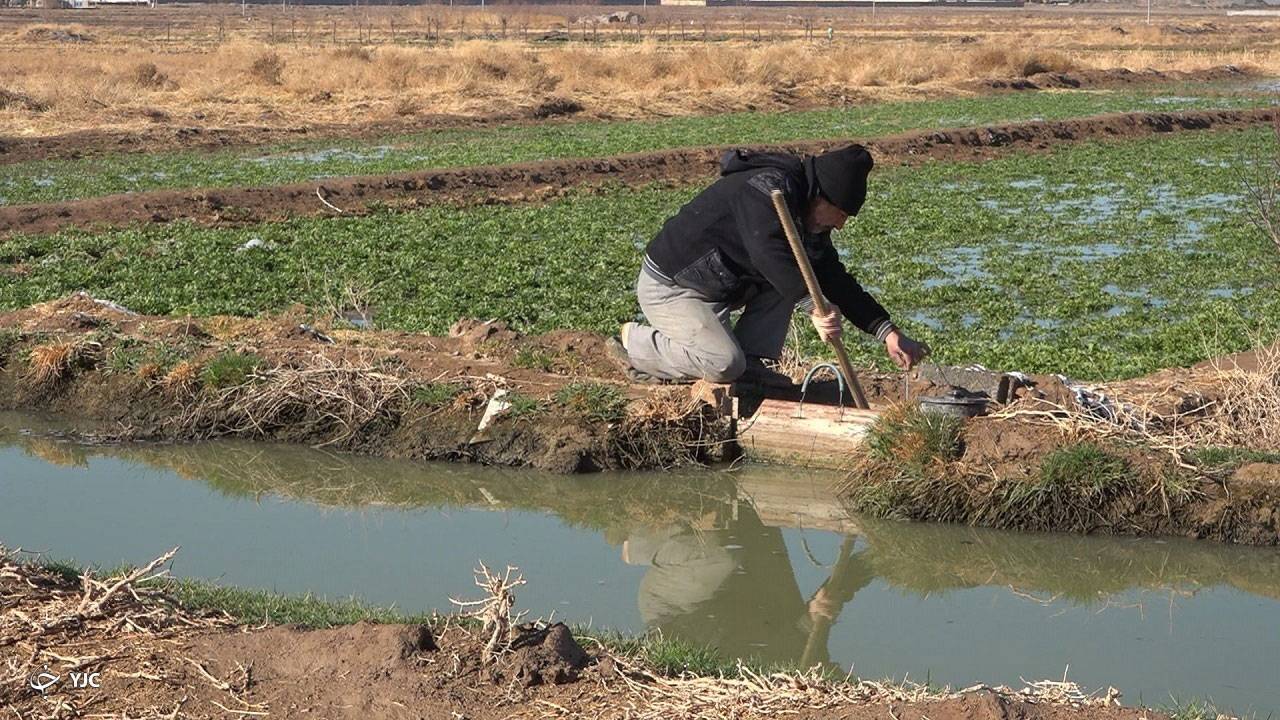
{"x": 690, "y": 337}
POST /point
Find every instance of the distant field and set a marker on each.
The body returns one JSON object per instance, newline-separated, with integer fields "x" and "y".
{"x": 1100, "y": 260}
{"x": 286, "y": 65}
{"x": 45, "y": 181}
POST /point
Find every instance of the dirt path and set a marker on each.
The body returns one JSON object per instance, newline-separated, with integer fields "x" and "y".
{"x": 165, "y": 137}
{"x": 541, "y": 181}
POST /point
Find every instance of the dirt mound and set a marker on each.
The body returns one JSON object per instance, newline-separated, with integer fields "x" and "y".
{"x": 57, "y": 34}
{"x": 1260, "y": 475}
{"x": 1006, "y": 447}
{"x": 10, "y": 100}
{"x": 531, "y": 182}
{"x": 544, "y": 656}
{"x": 1110, "y": 77}
{"x": 361, "y": 651}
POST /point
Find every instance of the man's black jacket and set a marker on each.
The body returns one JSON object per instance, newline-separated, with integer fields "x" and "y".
{"x": 729, "y": 237}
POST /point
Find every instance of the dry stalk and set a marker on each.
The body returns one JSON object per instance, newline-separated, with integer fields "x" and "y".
{"x": 1246, "y": 412}
{"x": 755, "y": 694}
{"x": 495, "y": 611}
{"x": 74, "y": 624}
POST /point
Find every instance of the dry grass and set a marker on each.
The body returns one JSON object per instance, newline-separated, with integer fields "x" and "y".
{"x": 183, "y": 379}
{"x": 1232, "y": 401}
{"x": 51, "y": 362}
{"x": 1246, "y": 412}
{"x": 785, "y": 694}
{"x": 118, "y": 80}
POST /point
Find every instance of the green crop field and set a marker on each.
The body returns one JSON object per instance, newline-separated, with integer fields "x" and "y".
{"x": 1099, "y": 260}
{"x": 46, "y": 181}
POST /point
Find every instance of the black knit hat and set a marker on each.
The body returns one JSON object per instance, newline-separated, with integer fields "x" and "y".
{"x": 842, "y": 176}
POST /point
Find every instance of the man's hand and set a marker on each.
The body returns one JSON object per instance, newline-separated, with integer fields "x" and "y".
{"x": 903, "y": 351}
{"x": 828, "y": 326}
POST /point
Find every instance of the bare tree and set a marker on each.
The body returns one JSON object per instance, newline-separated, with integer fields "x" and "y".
{"x": 1262, "y": 189}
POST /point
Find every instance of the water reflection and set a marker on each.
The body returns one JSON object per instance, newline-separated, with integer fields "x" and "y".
{"x": 715, "y": 563}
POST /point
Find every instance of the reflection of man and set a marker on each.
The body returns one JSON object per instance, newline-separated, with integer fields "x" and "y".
{"x": 734, "y": 589}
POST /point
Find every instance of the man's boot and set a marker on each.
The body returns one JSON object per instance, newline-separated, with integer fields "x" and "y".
{"x": 759, "y": 373}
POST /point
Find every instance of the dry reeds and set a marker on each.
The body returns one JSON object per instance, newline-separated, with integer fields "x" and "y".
{"x": 60, "y": 621}
{"x": 182, "y": 379}
{"x": 755, "y": 694}
{"x": 106, "y": 84}
{"x": 1238, "y": 406}
{"x": 334, "y": 401}
{"x": 51, "y": 362}
{"x": 1246, "y": 412}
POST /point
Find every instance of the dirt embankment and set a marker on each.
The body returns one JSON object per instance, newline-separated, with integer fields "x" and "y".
{"x": 1193, "y": 452}
{"x": 541, "y": 181}
{"x": 556, "y": 401}
{"x": 1046, "y": 461}
{"x": 155, "y": 657}
{"x": 164, "y": 136}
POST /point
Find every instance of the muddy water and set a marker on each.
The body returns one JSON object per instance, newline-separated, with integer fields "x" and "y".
{"x": 757, "y": 562}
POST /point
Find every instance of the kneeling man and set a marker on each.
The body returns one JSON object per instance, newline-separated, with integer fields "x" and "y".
{"x": 726, "y": 250}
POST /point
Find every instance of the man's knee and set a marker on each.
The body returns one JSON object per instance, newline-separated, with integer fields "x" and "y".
{"x": 724, "y": 367}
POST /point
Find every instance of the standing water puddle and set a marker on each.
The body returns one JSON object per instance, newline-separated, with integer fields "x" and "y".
{"x": 760, "y": 562}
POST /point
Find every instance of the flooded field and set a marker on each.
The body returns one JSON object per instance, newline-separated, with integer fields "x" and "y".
{"x": 757, "y": 562}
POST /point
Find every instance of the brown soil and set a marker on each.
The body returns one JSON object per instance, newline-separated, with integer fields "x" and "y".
{"x": 541, "y": 181}
{"x": 156, "y": 658}
{"x": 168, "y": 138}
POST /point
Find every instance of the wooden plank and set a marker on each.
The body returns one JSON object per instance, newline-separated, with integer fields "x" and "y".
{"x": 786, "y": 432}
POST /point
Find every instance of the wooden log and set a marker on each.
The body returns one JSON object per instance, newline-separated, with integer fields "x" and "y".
{"x": 809, "y": 435}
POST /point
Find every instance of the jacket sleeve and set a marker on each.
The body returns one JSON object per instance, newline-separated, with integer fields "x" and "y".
{"x": 844, "y": 290}
{"x": 764, "y": 239}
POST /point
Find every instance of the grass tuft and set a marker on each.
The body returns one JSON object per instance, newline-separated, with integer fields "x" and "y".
{"x": 435, "y": 394}
{"x": 49, "y": 363}
{"x": 595, "y": 401}
{"x": 1230, "y": 458}
{"x": 915, "y": 440}
{"x": 534, "y": 358}
{"x": 1086, "y": 465}
{"x": 229, "y": 369}
{"x": 268, "y": 68}
{"x": 523, "y": 406}
{"x": 260, "y": 606}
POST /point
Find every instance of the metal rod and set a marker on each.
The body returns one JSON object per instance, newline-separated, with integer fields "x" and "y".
{"x": 815, "y": 292}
